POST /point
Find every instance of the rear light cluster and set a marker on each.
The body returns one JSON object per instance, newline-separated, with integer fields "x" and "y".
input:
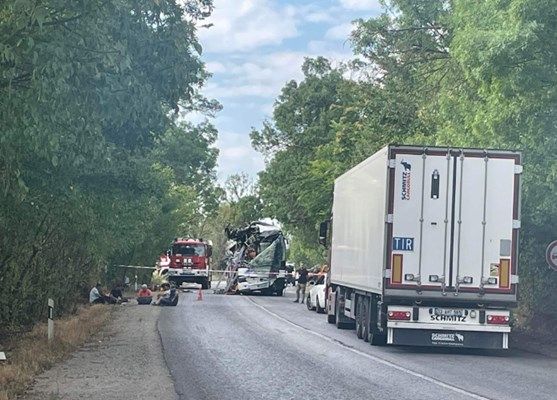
{"x": 400, "y": 315}
{"x": 497, "y": 319}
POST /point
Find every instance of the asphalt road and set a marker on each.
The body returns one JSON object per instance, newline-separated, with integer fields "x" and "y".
{"x": 240, "y": 347}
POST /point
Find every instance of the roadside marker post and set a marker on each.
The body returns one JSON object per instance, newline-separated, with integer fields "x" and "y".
{"x": 50, "y": 319}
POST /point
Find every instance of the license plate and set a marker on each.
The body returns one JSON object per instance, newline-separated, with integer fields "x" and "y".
{"x": 186, "y": 271}
{"x": 447, "y": 312}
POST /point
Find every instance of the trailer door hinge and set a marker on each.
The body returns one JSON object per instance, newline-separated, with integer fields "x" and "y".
{"x": 389, "y": 218}
{"x": 518, "y": 169}
{"x": 514, "y": 279}
{"x": 392, "y": 163}
{"x": 516, "y": 224}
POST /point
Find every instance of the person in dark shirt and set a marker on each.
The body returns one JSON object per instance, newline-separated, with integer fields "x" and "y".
{"x": 302, "y": 282}
{"x": 117, "y": 295}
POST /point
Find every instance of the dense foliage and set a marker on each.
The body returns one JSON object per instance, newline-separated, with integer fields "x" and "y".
{"x": 95, "y": 170}
{"x": 457, "y": 73}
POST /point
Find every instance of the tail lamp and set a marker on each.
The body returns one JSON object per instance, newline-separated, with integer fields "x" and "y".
{"x": 498, "y": 319}
{"x": 399, "y": 315}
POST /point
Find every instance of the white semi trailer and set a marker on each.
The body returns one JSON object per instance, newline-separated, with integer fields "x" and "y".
{"x": 424, "y": 245}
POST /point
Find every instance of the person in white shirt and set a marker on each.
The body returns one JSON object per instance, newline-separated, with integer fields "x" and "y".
{"x": 97, "y": 297}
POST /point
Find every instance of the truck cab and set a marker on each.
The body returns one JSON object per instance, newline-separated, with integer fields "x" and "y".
{"x": 189, "y": 261}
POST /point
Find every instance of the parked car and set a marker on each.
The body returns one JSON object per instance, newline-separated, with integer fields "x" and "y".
{"x": 316, "y": 295}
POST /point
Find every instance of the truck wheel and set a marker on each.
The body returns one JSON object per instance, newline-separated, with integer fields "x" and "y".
{"x": 359, "y": 318}
{"x": 365, "y": 320}
{"x": 376, "y": 338}
{"x": 205, "y": 284}
{"x": 331, "y": 319}
{"x": 340, "y": 319}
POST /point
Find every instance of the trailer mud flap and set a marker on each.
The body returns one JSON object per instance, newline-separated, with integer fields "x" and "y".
{"x": 435, "y": 338}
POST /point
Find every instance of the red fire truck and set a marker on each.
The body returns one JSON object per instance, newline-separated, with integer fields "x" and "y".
{"x": 189, "y": 261}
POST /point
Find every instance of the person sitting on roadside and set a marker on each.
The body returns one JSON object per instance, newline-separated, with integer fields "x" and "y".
{"x": 144, "y": 295}
{"x": 117, "y": 293}
{"x": 168, "y": 297}
{"x": 96, "y": 296}
{"x": 163, "y": 299}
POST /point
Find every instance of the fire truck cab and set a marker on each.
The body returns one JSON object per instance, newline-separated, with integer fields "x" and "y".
{"x": 189, "y": 261}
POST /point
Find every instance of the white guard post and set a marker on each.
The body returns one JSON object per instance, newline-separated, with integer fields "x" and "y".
{"x": 50, "y": 319}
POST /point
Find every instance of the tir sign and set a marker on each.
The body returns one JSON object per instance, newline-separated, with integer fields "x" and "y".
{"x": 403, "y": 244}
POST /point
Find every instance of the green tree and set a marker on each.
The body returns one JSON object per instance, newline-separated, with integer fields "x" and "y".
{"x": 89, "y": 91}
{"x": 451, "y": 73}
{"x": 302, "y": 122}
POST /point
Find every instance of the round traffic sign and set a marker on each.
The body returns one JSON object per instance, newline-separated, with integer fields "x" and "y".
{"x": 551, "y": 255}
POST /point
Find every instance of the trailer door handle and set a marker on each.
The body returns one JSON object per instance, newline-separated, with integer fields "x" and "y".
{"x": 435, "y": 185}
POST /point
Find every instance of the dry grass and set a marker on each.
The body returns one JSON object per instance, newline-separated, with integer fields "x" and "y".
{"x": 30, "y": 354}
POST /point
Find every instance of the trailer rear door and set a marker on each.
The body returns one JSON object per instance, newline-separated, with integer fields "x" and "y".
{"x": 454, "y": 221}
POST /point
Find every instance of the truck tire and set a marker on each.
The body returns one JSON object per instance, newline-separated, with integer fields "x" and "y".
{"x": 377, "y": 339}
{"x": 330, "y": 306}
{"x": 359, "y": 318}
{"x": 337, "y": 310}
{"x": 340, "y": 319}
{"x": 205, "y": 284}
{"x": 278, "y": 287}
{"x": 365, "y": 319}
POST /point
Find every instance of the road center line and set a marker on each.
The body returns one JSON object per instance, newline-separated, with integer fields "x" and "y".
{"x": 374, "y": 358}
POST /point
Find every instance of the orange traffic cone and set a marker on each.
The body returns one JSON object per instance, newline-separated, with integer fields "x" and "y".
{"x": 199, "y": 295}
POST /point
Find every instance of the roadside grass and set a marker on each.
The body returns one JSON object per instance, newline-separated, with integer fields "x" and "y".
{"x": 29, "y": 354}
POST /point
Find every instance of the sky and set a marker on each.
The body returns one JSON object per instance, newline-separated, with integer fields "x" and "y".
{"x": 253, "y": 48}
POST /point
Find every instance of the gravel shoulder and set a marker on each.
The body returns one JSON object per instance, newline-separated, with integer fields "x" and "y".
{"x": 125, "y": 362}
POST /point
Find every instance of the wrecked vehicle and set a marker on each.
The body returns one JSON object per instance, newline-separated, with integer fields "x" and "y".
{"x": 257, "y": 260}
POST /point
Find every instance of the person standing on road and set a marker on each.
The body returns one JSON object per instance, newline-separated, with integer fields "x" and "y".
{"x": 302, "y": 281}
